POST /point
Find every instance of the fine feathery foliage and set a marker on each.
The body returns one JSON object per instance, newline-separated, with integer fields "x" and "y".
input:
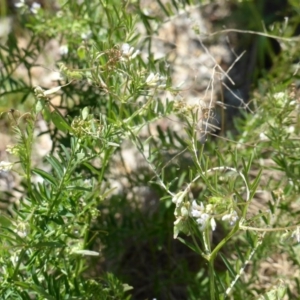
{"x": 188, "y": 220}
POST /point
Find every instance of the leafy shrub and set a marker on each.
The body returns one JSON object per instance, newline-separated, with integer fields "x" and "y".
{"x": 187, "y": 220}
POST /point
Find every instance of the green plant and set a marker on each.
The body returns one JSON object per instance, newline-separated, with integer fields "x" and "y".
{"x": 183, "y": 223}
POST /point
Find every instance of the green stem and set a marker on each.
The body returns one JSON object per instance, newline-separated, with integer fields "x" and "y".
{"x": 27, "y": 140}
{"x": 107, "y": 155}
{"x": 211, "y": 274}
{"x": 211, "y": 260}
{"x": 224, "y": 241}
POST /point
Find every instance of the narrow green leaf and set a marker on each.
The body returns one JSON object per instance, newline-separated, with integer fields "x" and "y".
{"x": 45, "y": 176}
{"x": 41, "y": 292}
{"x": 60, "y": 122}
{"x": 250, "y": 239}
{"x": 67, "y": 151}
{"x": 77, "y": 188}
{"x": 56, "y": 164}
{"x": 255, "y": 184}
{"x": 49, "y": 244}
{"x": 188, "y": 244}
{"x": 228, "y": 265}
{"x": 240, "y": 255}
{"x": 164, "y": 9}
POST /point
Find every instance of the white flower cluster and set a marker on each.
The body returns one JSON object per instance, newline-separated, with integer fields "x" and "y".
{"x": 63, "y": 50}
{"x": 129, "y": 52}
{"x": 153, "y": 80}
{"x": 232, "y": 217}
{"x": 5, "y": 166}
{"x": 202, "y": 216}
{"x": 34, "y": 8}
{"x": 156, "y": 80}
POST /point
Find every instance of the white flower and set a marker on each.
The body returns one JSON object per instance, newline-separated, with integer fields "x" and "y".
{"x": 128, "y": 51}
{"x": 35, "y": 7}
{"x": 63, "y": 50}
{"x": 197, "y": 210}
{"x": 178, "y": 198}
{"x": 202, "y": 221}
{"x": 213, "y": 224}
{"x": 263, "y": 137}
{"x": 151, "y": 77}
{"x": 296, "y": 234}
{"x": 202, "y": 218}
{"x": 20, "y": 4}
{"x": 5, "y": 166}
{"x": 279, "y": 95}
{"x": 86, "y": 35}
{"x": 22, "y": 234}
{"x": 156, "y": 80}
{"x": 196, "y": 213}
{"x": 281, "y": 99}
{"x": 232, "y": 217}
